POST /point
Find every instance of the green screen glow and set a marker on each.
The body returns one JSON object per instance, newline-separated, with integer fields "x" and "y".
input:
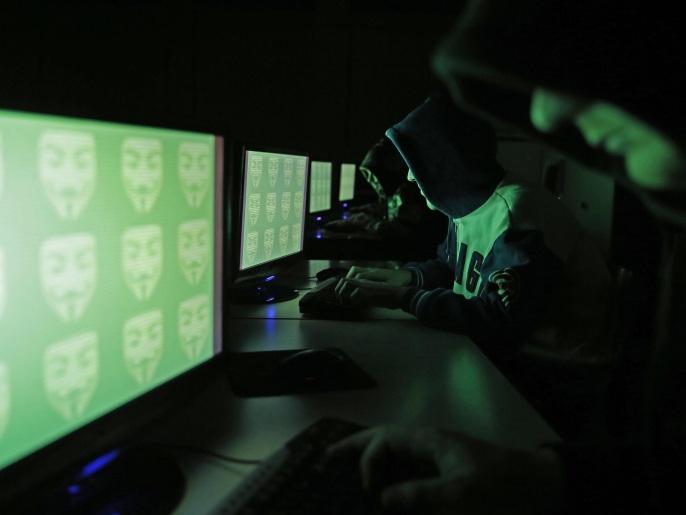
{"x": 106, "y": 268}
{"x": 346, "y": 190}
{"x": 320, "y": 186}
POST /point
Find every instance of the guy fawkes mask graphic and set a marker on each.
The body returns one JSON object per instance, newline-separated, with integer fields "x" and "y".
{"x": 268, "y": 242}
{"x": 67, "y": 165}
{"x": 283, "y": 238}
{"x": 68, "y": 269}
{"x": 143, "y": 343}
{"x": 298, "y": 204}
{"x": 194, "y": 171}
{"x": 271, "y": 206}
{"x": 300, "y": 172}
{"x": 142, "y": 171}
{"x": 288, "y": 171}
{"x": 194, "y": 249}
{"x": 285, "y": 204}
{"x": 296, "y": 231}
{"x": 251, "y": 243}
{"x": 194, "y": 324}
{"x": 254, "y": 208}
{"x": 71, "y": 373}
{"x": 142, "y": 259}
{"x": 255, "y": 170}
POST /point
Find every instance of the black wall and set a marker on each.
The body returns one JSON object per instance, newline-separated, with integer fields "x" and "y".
{"x": 327, "y": 76}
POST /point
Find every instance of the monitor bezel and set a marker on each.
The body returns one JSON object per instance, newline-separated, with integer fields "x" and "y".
{"x": 258, "y": 273}
{"x": 24, "y": 479}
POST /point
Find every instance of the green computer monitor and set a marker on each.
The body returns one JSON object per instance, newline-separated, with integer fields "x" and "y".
{"x": 111, "y": 256}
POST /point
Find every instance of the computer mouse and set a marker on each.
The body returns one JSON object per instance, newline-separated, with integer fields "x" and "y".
{"x": 312, "y": 369}
{"x": 327, "y": 273}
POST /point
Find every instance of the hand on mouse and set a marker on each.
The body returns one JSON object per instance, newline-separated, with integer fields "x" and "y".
{"x": 363, "y": 292}
{"x": 423, "y": 470}
{"x": 383, "y": 275}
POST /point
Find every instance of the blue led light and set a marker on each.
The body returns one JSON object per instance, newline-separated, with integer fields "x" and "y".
{"x": 319, "y": 219}
{"x": 99, "y": 463}
{"x": 73, "y": 489}
{"x": 270, "y": 278}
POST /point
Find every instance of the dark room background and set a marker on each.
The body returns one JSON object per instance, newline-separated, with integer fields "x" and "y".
{"x": 326, "y": 76}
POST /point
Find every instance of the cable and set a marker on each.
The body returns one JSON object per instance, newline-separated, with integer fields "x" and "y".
{"x": 230, "y": 459}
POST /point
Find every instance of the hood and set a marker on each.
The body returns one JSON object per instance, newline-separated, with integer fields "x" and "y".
{"x": 383, "y": 163}
{"x": 499, "y": 51}
{"x": 451, "y": 153}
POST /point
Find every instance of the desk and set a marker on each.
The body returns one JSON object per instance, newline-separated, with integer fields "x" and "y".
{"x": 425, "y": 376}
{"x": 301, "y": 276}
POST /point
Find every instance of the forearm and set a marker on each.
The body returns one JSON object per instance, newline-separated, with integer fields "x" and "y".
{"x": 483, "y": 318}
{"x": 430, "y": 274}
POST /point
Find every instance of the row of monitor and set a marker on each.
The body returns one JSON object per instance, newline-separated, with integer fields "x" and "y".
{"x": 118, "y": 244}
{"x": 321, "y": 182}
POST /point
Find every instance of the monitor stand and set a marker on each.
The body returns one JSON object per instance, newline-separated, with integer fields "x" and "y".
{"x": 137, "y": 480}
{"x": 263, "y": 293}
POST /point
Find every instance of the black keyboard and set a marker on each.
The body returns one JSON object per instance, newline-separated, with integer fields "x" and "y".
{"x": 322, "y": 302}
{"x": 298, "y": 480}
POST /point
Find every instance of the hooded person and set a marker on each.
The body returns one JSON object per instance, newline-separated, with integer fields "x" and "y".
{"x": 516, "y": 269}
{"x": 398, "y": 208}
{"x": 599, "y": 84}
{"x": 597, "y": 81}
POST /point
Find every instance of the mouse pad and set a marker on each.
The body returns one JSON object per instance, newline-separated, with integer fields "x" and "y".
{"x": 255, "y": 374}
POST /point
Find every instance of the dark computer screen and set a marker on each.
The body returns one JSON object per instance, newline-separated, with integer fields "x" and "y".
{"x": 272, "y": 191}
{"x": 110, "y": 259}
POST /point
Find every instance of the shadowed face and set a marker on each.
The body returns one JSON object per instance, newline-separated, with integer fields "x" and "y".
{"x": 410, "y": 177}
{"x": 651, "y": 160}
{"x": 71, "y": 373}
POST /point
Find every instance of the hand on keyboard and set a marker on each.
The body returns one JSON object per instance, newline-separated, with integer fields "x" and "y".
{"x": 430, "y": 472}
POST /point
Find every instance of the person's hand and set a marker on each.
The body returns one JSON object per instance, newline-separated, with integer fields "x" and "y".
{"x": 363, "y": 292}
{"x": 431, "y": 472}
{"x": 383, "y": 275}
{"x": 355, "y": 222}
